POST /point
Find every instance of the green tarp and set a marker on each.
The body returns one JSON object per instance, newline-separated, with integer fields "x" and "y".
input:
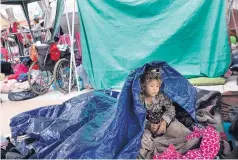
{"x": 118, "y": 36}
{"x": 58, "y": 14}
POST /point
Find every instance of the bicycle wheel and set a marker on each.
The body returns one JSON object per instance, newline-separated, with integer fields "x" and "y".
{"x": 39, "y": 81}
{"x": 61, "y": 75}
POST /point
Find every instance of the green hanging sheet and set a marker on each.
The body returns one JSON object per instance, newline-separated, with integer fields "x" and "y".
{"x": 118, "y": 36}
{"x": 59, "y": 11}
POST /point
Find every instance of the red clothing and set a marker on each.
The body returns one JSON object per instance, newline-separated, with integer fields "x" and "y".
{"x": 4, "y": 52}
{"x": 14, "y": 30}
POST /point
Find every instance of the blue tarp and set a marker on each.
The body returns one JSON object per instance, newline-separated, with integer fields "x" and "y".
{"x": 96, "y": 125}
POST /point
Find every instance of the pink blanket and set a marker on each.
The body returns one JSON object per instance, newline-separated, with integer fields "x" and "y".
{"x": 209, "y": 147}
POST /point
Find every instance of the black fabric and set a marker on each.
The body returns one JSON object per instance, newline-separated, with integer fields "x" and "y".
{"x": 229, "y": 101}
{"x": 3, "y": 153}
{"x": 233, "y": 113}
{"x": 184, "y": 117}
{"x": 233, "y": 154}
{"x": 20, "y": 96}
{"x": 6, "y": 68}
{"x": 11, "y": 152}
{"x": 61, "y": 31}
{"x": 234, "y": 65}
{"x": 56, "y": 38}
{"x": 234, "y": 128}
{"x": 204, "y": 99}
{"x": 225, "y": 148}
{"x": 3, "y": 43}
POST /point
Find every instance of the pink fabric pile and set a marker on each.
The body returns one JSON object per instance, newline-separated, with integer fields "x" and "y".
{"x": 209, "y": 147}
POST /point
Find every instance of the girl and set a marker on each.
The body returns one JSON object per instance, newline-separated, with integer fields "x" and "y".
{"x": 160, "y": 111}
{"x": 162, "y": 128}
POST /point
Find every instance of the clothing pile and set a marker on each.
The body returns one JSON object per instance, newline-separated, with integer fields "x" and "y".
{"x": 229, "y": 105}
{"x": 14, "y": 80}
{"x": 10, "y": 151}
{"x": 208, "y": 149}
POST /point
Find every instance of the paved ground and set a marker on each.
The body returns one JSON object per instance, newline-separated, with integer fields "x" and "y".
{"x": 10, "y": 109}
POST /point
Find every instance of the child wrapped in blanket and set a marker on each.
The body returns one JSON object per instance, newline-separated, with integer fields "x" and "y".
{"x": 161, "y": 126}
{"x": 160, "y": 110}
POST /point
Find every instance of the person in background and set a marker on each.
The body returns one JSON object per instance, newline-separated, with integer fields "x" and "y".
{"x": 19, "y": 37}
{"x": 37, "y": 29}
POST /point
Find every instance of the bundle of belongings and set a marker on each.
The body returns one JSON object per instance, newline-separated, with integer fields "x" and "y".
{"x": 229, "y": 105}
{"x": 101, "y": 124}
{"x": 229, "y": 113}
{"x": 9, "y": 150}
{"x": 14, "y": 81}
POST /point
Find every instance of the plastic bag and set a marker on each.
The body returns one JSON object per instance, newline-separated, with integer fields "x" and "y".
{"x": 83, "y": 75}
{"x": 20, "y": 96}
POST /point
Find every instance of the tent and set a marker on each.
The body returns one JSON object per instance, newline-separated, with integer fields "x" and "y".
{"x": 118, "y": 36}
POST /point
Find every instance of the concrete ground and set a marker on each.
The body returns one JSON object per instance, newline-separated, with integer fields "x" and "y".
{"x": 10, "y": 109}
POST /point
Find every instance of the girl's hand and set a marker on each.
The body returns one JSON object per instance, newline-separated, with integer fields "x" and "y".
{"x": 154, "y": 127}
{"x": 162, "y": 128}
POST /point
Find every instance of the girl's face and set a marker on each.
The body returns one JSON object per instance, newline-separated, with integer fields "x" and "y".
{"x": 152, "y": 88}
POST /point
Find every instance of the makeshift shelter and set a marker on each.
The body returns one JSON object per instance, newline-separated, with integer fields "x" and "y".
{"x": 95, "y": 125}
{"x": 118, "y": 36}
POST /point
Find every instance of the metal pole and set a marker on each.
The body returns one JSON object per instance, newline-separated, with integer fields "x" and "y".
{"x": 72, "y": 58}
{"x": 230, "y": 2}
{"x": 25, "y": 8}
{"x": 70, "y": 61}
{"x": 70, "y": 64}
